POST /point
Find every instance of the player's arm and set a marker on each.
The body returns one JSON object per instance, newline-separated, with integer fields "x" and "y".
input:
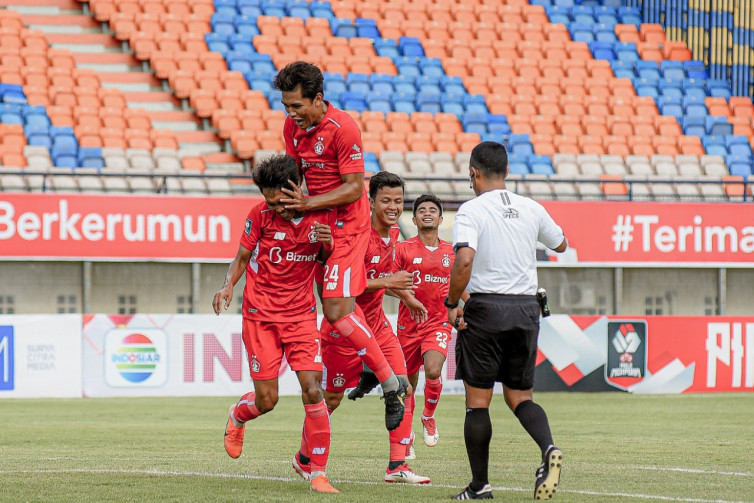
{"x": 349, "y": 191}
{"x": 235, "y": 270}
{"x": 324, "y": 236}
{"x": 398, "y": 281}
{"x": 419, "y": 313}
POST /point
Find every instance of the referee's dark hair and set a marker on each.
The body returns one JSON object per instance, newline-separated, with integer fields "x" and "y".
{"x": 384, "y": 179}
{"x": 490, "y": 158}
{"x": 428, "y": 198}
{"x": 300, "y": 73}
{"x": 275, "y": 171}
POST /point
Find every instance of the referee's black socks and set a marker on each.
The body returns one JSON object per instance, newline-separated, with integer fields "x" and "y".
{"x": 477, "y": 431}
{"x": 534, "y": 420}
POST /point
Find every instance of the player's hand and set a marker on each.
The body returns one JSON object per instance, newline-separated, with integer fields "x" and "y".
{"x": 296, "y": 200}
{"x": 455, "y": 317}
{"x": 323, "y": 233}
{"x": 400, "y": 280}
{"x": 416, "y": 309}
{"x": 222, "y": 299}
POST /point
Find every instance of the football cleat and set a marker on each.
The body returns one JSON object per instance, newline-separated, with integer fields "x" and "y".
{"x": 321, "y": 484}
{"x": 233, "y": 435}
{"x": 410, "y": 453}
{"x": 548, "y": 474}
{"x": 431, "y": 435}
{"x": 394, "y": 405}
{"x": 305, "y": 470}
{"x": 485, "y": 493}
{"x": 367, "y": 382}
{"x": 405, "y": 475}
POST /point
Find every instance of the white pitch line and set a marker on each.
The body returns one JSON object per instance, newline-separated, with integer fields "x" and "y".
{"x": 696, "y": 471}
{"x": 359, "y": 482}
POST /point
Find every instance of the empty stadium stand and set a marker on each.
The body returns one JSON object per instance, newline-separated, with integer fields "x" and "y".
{"x": 596, "y": 100}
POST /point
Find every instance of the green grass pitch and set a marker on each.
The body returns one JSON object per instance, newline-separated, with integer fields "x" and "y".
{"x": 617, "y": 447}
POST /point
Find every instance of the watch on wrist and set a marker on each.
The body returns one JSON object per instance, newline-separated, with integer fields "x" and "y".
{"x": 449, "y": 305}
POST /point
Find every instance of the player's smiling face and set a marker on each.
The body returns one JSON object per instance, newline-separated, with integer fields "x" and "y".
{"x": 272, "y": 197}
{"x": 427, "y": 216}
{"x": 305, "y": 112}
{"x": 387, "y": 206}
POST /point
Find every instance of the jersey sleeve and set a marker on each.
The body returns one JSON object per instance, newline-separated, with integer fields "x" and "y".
{"x": 349, "y": 150}
{"x": 465, "y": 232}
{"x": 252, "y": 230}
{"x": 550, "y": 233}
{"x": 288, "y": 129}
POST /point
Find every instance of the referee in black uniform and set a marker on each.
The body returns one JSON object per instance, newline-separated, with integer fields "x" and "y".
{"x": 495, "y": 238}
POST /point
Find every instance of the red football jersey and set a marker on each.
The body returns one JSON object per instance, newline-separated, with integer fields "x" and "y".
{"x": 379, "y": 262}
{"x": 431, "y": 270}
{"x": 325, "y": 152}
{"x": 281, "y": 270}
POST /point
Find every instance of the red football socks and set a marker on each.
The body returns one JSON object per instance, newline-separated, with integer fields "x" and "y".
{"x": 432, "y": 390}
{"x": 354, "y": 328}
{"x": 317, "y": 435}
{"x": 246, "y": 408}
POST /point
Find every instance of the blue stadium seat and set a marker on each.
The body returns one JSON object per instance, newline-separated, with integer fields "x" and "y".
{"x": 622, "y": 69}
{"x": 646, "y": 87}
{"x": 64, "y": 147}
{"x": 583, "y": 14}
{"x": 520, "y": 144}
{"x": 239, "y": 61}
{"x": 379, "y": 101}
{"x": 12, "y": 93}
{"x": 334, "y": 84}
{"x": 517, "y": 164}
{"x": 606, "y": 14}
{"x": 90, "y": 157}
{"x": 670, "y": 87}
{"x": 694, "y": 126}
{"x": 694, "y": 87}
{"x": 259, "y": 80}
{"x": 358, "y": 82}
{"x": 670, "y": 105}
{"x": 273, "y": 8}
{"x": 371, "y": 164}
{"x": 563, "y": 3}
{"x": 428, "y": 101}
{"x": 541, "y": 165}
{"x": 604, "y": 33}
{"x": 249, "y": 8}
{"x": 222, "y": 24}
{"x": 452, "y": 83}
{"x": 297, "y": 8}
{"x": 718, "y": 88}
{"x": 386, "y": 47}
{"x": 10, "y": 113}
{"x": 738, "y": 145}
{"x": 671, "y": 69}
{"x": 602, "y": 50}
{"x": 475, "y": 122}
{"x": 475, "y": 103}
{"x": 717, "y": 126}
{"x": 629, "y": 15}
{"x": 344, "y": 28}
{"x": 321, "y": 9}
{"x": 581, "y": 32}
{"x": 381, "y": 82}
{"x": 648, "y": 69}
{"x": 695, "y": 69}
{"x": 558, "y": 14}
{"x": 453, "y": 107}
{"x": 739, "y": 165}
{"x": 38, "y": 135}
{"x": 404, "y": 102}
{"x": 404, "y": 84}
{"x": 225, "y": 7}
{"x": 694, "y": 105}
{"x": 715, "y": 145}
{"x": 407, "y": 66}
{"x": 427, "y": 83}
{"x": 367, "y": 28}
{"x": 431, "y": 67}
{"x": 626, "y": 51}
{"x": 410, "y": 47}
{"x": 241, "y": 42}
{"x": 274, "y": 96}
{"x": 246, "y": 25}
{"x": 217, "y": 42}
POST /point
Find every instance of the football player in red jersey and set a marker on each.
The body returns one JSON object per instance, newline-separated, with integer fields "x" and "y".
{"x": 425, "y": 342}
{"x": 342, "y": 365}
{"x": 279, "y": 249}
{"x": 326, "y": 143}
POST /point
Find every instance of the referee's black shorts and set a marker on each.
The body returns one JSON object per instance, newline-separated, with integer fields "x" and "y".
{"x": 499, "y": 342}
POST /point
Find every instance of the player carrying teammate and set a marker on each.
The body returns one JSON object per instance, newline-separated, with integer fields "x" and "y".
{"x": 278, "y": 251}
{"x": 326, "y": 143}
{"x": 342, "y": 364}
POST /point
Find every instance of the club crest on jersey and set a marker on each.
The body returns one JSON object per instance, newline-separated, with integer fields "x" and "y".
{"x": 339, "y": 381}
{"x": 313, "y": 236}
{"x": 417, "y": 260}
{"x": 247, "y": 227}
{"x": 319, "y": 147}
{"x": 446, "y": 260}
{"x": 255, "y": 366}
{"x": 279, "y": 236}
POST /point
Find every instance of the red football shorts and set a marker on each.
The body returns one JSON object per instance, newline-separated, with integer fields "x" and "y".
{"x": 344, "y": 275}
{"x": 343, "y": 366}
{"x": 415, "y": 346}
{"x": 266, "y": 342}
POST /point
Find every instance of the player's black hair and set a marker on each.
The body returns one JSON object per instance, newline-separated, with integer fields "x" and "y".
{"x": 300, "y": 73}
{"x": 384, "y": 179}
{"x": 428, "y": 198}
{"x": 275, "y": 171}
{"x": 490, "y": 158}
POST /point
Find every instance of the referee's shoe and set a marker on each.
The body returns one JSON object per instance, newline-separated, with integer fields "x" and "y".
{"x": 394, "y": 405}
{"x": 485, "y": 493}
{"x": 548, "y": 474}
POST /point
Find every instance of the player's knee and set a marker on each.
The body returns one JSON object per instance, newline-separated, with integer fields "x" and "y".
{"x": 312, "y": 394}
{"x": 333, "y": 400}
{"x": 432, "y": 371}
{"x": 266, "y": 401}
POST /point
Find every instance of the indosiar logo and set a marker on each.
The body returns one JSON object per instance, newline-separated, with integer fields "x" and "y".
{"x": 136, "y": 358}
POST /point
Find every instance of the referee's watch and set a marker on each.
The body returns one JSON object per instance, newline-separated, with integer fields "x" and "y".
{"x": 449, "y": 305}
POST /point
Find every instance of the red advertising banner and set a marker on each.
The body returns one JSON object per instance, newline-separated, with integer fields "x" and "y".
{"x": 646, "y": 354}
{"x": 86, "y": 226}
{"x": 651, "y": 232}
